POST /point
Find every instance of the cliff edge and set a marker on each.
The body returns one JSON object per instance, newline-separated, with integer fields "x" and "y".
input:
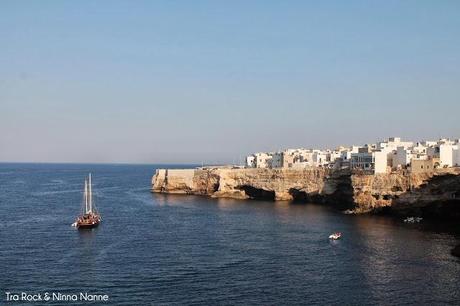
{"x": 402, "y": 192}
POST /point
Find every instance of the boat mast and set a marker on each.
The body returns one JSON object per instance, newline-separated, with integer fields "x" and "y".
{"x": 86, "y": 196}
{"x": 90, "y": 210}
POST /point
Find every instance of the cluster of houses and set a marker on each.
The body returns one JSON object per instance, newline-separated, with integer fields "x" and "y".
{"x": 382, "y": 157}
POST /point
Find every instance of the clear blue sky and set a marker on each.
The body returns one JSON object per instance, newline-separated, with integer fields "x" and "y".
{"x": 192, "y": 81}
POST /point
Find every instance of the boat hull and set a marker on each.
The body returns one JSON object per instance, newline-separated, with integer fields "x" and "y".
{"x": 87, "y": 225}
{"x": 88, "y": 221}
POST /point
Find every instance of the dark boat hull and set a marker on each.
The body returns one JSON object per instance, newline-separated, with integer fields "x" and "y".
{"x": 87, "y": 225}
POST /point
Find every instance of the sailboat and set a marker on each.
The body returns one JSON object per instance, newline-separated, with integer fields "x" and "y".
{"x": 90, "y": 217}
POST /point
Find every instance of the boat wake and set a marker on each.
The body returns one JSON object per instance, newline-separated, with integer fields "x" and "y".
{"x": 45, "y": 193}
{"x": 141, "y": 195}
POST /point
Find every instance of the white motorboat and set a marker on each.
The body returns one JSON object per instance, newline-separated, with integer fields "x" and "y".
{"x": 413, "y": 219}
{"x": 335, "y": 236}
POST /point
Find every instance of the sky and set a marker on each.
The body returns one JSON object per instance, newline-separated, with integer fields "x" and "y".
{"x": 211, "y": 81}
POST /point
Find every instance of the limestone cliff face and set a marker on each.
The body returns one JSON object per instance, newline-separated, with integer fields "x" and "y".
{"x": 185, "y": 181}
{"x": 317, "y": 185}
{"x": 174, "y": 181}
{"x": 371, "y": 192}
{"x": 358, "y": 192}
{"x": 279, "y": 184}
{"x": 404, "y": 191}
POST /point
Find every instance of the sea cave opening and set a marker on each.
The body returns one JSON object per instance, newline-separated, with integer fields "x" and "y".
{"x": 257, "y": 193}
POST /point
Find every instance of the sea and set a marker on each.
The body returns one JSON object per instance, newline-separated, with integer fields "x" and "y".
{"x": 157, "y": 249}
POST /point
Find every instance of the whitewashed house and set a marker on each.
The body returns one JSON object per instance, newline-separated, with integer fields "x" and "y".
{"x": 363, "y": 160}
{"x": 445, "y": 151}
{"x": 456, "y": 157}
{"x": 381, "y": 157}
{"x": 251, "y": 161}
{"x": 346, "y": 154}
{"x": 263, "y": 160}
{"x": 319, "y": 158}
{"x": 401, "y": 157}
{"x": 381, "y": 161}
{"x": 446, "y": 154}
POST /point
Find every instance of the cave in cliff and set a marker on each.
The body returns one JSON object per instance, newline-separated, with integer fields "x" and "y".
{"x": 257, "y": 193}
{"x": 300, "y": 196}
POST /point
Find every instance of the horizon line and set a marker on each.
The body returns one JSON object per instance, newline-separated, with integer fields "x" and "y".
{"x": 98, "y": 163}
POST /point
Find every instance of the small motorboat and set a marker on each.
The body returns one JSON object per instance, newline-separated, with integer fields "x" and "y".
{"x": 335, "y": 236}
{"x": 413, "y": 220}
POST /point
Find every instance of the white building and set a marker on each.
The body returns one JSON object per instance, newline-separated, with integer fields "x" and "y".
{"x": 432, "y": 151}
{"x": 446, "y": 154}
{"x": 319, "y": 158}
{"x": 305, "y": 156}
{"x": 456, "y": 157}
{"x": 363, "y": 160}
{"x": 259, "y": 160}
{"x": 445, "y": 151}
{"x": 331, "y": 156}
{"x": 381, "y": 161}
{"x": 401, "y": 157}
{"x": 381, "y": 157}
{"x": 428, "y": 143}
{"x": 376, "y": 160}
{"x": 346, "y": 153}
{"x": 419, "y": 148}
{"x": 251, "y": 161}
{"x": 395, "y": 142}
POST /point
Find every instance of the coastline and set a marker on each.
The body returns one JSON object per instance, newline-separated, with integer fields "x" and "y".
{"x": 428, "y": 195}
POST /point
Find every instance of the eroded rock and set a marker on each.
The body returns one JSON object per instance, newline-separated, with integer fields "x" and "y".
{"x": 435, "y": 193}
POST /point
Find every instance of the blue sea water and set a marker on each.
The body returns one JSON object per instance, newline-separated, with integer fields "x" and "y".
{"x": 154, "y": 249}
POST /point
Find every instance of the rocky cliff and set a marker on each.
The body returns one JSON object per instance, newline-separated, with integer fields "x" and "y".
{"x": 402, "y": 192}
{"x": 273, "y": 184}
{"x": 427, "y": 194}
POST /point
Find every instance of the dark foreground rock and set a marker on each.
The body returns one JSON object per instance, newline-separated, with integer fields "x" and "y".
{"x": 456, "y": 251}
